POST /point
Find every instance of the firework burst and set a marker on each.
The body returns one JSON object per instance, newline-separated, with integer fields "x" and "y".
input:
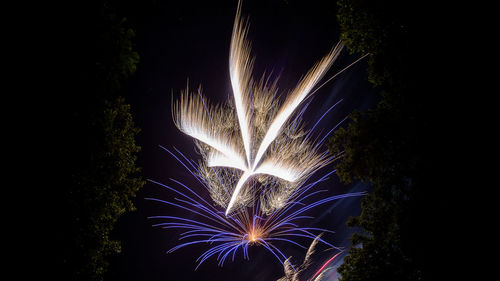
{"x": 257, "y": 163}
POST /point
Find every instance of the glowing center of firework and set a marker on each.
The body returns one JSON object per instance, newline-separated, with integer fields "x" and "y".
{"x": 254, "y": 235}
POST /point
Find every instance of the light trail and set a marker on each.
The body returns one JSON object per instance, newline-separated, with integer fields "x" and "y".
{"x": 323, "y": 266}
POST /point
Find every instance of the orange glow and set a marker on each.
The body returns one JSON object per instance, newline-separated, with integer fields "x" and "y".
{"x": 254, "y": 235}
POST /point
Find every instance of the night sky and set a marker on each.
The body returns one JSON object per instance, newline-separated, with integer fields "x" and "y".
{"x": 177, "y": 42}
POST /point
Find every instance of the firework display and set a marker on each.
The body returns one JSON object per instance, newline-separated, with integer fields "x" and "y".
{"x": 259, "y": 163}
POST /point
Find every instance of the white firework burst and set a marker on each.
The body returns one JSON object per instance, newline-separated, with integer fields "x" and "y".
{"x": 255, "y": 140}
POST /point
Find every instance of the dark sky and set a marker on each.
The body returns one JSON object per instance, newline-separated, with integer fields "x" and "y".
{"x": 186, "y": 40}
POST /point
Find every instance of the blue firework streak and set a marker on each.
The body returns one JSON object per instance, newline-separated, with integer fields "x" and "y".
{"x": 228, "y": 234}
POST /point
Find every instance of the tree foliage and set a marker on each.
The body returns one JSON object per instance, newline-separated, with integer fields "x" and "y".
{"x": 100, "y": 146}
{"x": 102, "y": 189}
{"x": 387, "y": 146}
{"x": 115, "y": 58}
{"x": 380, "y": 28}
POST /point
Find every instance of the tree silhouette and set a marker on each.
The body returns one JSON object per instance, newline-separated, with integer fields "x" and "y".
{"x": 99, "y": 144}
{"x": 389, "y": 146}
